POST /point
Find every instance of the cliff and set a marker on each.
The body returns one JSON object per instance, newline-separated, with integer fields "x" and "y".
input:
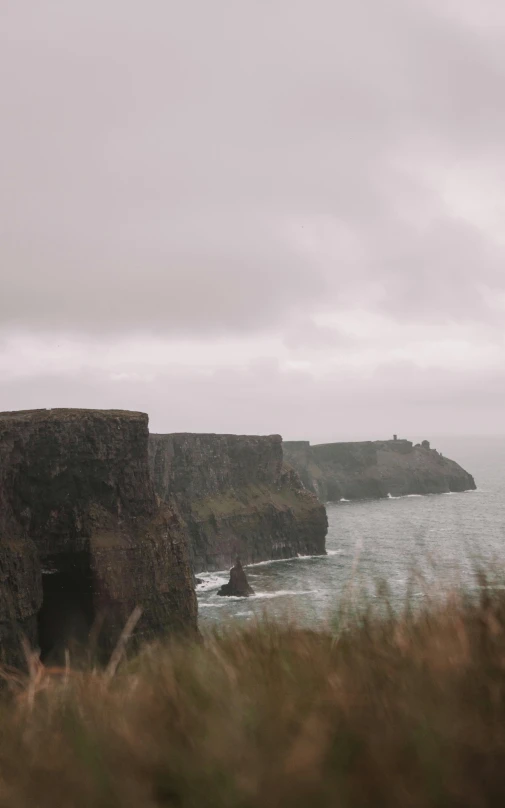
{"x": 237, "y": 497}
{"x": 82, "y": 539}
{"x": 373, "y": 469}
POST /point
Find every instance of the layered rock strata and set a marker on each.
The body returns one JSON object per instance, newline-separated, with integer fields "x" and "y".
{"x": 374, "y": 469}
{"x": 82, "y": 538}
{"x": 238, "y": 498}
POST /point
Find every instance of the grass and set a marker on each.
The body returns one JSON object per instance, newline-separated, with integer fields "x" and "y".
{"x": 378, "y": 710}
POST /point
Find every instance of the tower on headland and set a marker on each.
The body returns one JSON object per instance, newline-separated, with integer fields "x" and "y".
{"x": 395, "y": 437}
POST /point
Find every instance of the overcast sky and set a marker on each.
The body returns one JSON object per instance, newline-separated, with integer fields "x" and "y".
{"x": 256, "y": 215}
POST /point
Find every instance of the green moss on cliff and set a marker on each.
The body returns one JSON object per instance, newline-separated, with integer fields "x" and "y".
{"x": 237, "y": 497}
{"x": 248, "y": 499}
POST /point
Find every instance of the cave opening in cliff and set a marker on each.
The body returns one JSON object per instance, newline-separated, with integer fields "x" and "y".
{"x": 67, "y": 612}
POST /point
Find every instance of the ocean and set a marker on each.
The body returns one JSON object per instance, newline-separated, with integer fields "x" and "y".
{"x": 419, "y": 546}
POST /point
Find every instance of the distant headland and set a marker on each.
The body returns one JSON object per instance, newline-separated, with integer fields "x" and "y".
{"x": 375, "y": 469}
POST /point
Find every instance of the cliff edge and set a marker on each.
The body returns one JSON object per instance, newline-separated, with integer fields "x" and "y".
{"x": 82, "y": 538}
{"x": 237, "y": 497}
{"x": 374, "y": 469}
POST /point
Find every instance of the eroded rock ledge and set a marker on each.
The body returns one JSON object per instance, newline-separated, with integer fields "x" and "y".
{"x": 82, "y": 538}
{"x": 237, "y": 497}
{"x": 374, "y": 469}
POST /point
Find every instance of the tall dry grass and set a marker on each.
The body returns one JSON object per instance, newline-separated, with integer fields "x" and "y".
{"x": 381, "y": 710}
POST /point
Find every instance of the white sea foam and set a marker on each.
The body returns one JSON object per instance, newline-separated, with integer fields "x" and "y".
{"x": 405, "y": 496}
{"x": 300, "y": 556}
{"x": 257, "y": 596}
{"x": 467, "y": 491}
{"x": 343, "y": 499}
{"x": 270, "y": 561}
{"x": 217, "y": 575}
{"x": 297, "y": 557}
{"x": 209, "y": 582}
{"x": 213, "y": 580}
{"x": 281, "y": 593}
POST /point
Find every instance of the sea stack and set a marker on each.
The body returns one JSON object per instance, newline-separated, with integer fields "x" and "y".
{"x": 238, "y": 585}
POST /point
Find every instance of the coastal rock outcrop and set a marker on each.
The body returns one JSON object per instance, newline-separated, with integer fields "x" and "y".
{"x": 238, "y": 498}
{"x": 374, "y": 469}
{"x": 238, "y": 585}
{"x": 83, "y": 540}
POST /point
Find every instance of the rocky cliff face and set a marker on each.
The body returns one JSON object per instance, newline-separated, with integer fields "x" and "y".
{"x": 372, "y": 469}
{"x": 82, "y": 539}
{"x": 237, "y": 497}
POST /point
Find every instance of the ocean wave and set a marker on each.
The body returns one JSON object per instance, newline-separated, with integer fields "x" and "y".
{"x": 301, "y": 557}
{"x": 466, "y": 491}
{"x": 270, "y": 561}
{"x": 297, "y": 557}
{"x": 210, "y": 582}
{"x": 406, "y": 496}
{"x": 446, "y": 493}
{"x": 219, "y": 573}
{"x": 213, "y": 580}
{"x": 334, "y": 552}
{"x": 279, "y": 593}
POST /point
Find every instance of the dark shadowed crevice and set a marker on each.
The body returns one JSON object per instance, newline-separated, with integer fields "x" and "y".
{"x": 67, "y": 612}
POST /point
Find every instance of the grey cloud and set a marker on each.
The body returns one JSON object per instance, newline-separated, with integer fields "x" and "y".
{"x": 306, "y": 334}
{"x": 262, "y": 400}
{"x": 436, "y": 270}
{"x": 219, "y": 274}
{"x": 153, "y": 154}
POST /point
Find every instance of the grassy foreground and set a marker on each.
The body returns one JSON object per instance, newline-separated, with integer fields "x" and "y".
{"x": 385, "y": 711}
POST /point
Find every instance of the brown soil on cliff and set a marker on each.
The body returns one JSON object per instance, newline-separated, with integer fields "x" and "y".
{"x": 379, "y": 711}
